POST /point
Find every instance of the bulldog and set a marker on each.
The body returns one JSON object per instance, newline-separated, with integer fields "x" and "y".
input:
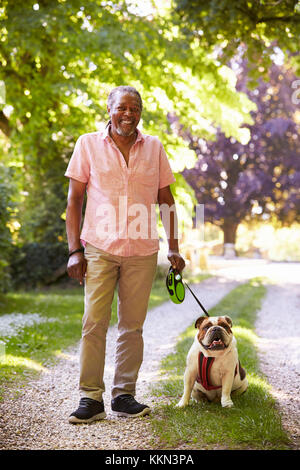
{"x": 213, "y": 370}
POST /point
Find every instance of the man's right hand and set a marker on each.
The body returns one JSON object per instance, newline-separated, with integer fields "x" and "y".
{"x": 77, "y": 267}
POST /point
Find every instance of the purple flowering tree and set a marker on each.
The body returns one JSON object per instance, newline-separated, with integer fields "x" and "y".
{"x": 261, "y": 179}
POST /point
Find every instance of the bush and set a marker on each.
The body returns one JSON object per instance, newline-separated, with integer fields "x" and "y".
{"x": 34, "y": 264}
{"x": 6, "y": 212}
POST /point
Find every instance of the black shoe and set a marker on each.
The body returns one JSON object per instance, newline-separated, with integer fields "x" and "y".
{"x": 89, "y": 410}
{"x": 126, "y": 405}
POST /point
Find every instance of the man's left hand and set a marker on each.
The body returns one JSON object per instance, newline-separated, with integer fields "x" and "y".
{"x": 176, "y": 260}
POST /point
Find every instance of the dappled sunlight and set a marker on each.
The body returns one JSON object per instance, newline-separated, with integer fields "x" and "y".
{"x": 66, "y": 356}
{"x": 12, "y": 324}
{"x": 258, "y": 382}
{"x": 166, "y": 346}
{"x": 188, "y": 333}
{"x": 242, "y": 269}
{"x": 8, "y": 360}
{"x": 155, "y": 297}
{"x": 175, "y": 377}
{"x": 244, "y": 333}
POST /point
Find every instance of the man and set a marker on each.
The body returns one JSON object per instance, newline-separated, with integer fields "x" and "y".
{"x": 123, "y": 172}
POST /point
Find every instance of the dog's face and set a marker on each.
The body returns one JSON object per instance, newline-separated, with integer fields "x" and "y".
{"x": 214, "y": 332}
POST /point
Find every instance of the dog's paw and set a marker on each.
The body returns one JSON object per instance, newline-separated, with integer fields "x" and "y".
{"x": 181, "y": 404}
{"x": 226, "y": 403}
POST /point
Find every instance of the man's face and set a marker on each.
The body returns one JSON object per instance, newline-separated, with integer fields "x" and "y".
{"x": 125, "y": 113}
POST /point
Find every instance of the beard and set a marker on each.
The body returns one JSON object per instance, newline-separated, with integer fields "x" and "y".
{"x": 126, "y": 127}
{"x": 126, "y": 131}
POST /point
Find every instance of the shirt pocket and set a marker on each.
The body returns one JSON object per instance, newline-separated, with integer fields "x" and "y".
{"x": 107, "y": 180}
{"x": 146, "y": 177}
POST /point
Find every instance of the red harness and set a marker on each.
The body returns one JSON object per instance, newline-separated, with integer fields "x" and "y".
{"x": 204, "y": 366}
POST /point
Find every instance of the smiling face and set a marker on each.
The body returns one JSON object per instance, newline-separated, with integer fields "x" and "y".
{"x": 125, "y": 113}
{"x": 214, "y": 332}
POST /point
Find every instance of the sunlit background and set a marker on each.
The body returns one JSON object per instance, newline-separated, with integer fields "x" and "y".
{"x": 220, "y": 84}
{"x": 220, "y": 89}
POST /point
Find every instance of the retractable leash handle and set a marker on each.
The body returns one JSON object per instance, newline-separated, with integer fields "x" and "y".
{"x": 176, "y": 288}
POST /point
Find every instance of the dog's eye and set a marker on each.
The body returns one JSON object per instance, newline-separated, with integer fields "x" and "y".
{"x": 225, "y": 326}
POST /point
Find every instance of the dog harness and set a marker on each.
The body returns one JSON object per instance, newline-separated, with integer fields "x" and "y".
{"x": 204, "y": 366}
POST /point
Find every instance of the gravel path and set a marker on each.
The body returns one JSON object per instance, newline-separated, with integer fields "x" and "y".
{"x": 38, "y": 419}
{"x": 279, "y": 347}
{"x": 278, "y": 328}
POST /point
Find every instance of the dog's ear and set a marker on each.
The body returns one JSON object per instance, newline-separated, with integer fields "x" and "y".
{"x": 229, "y": 321}
{"x": 199, "y": 321}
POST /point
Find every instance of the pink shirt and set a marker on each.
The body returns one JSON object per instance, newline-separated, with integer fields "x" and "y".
{"x": 120, "y": 215}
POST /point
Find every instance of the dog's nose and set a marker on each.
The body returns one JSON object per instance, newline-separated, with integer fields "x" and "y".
{"x": 215, "y": 328}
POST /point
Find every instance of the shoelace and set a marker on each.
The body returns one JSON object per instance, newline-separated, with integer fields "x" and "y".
{"x": 86, "y": 402}
{"x": 127, "y": 398}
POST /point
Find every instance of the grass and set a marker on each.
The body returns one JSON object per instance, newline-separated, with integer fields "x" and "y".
{"x": 253, "y": 422}
{"x": 41, "y": 345}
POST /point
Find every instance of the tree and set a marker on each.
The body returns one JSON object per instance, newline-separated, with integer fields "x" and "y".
{"x": 255, "y": 27}
{"x": 60, "y": 59}
{"x": 261, "y": 179}
{"x": 7, "y": 208}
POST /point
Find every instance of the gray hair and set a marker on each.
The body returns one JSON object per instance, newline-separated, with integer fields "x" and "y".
{"x": 123, "y": 89}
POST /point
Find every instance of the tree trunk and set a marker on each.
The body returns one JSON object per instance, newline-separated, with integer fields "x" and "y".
{"x": 229, "y": 230}
{"x": 4, "y": 124}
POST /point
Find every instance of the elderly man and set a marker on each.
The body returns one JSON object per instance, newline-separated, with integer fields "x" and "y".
{"x": 124, "y": 173}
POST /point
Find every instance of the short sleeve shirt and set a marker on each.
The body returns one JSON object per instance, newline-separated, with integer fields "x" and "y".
{"x": 120, "y": 216}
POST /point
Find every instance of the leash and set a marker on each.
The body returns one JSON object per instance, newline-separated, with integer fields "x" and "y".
{"x": 197, "y": 300}
{"x": 176, "y": 289}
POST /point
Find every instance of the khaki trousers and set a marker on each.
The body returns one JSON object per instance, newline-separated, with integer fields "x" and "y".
{"x": 134, "y": 276}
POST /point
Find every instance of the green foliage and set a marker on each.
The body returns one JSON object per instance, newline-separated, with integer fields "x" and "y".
{"x": 34, "y": 263}
{"x": 44, "y": 222}
{"x": 254, "y": 28}
{"x": 6, "y": 213}
{"x": 277, "y": 243}
{"x": 59, "y": 60}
